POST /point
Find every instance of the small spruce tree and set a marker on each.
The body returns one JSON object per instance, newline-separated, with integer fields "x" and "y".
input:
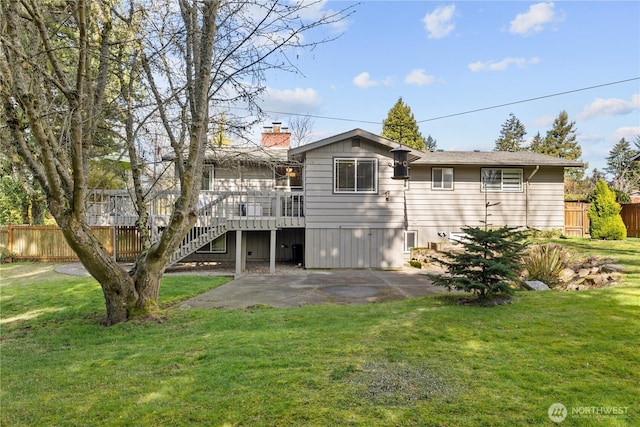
{"x": 604, "y": 214}
{"x": 489, "y": 263}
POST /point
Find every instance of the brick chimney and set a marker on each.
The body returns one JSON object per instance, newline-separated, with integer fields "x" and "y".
{"x": 276, "y": 136}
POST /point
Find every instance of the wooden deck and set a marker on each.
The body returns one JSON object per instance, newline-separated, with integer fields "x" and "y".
{"x": 249, "y": 210}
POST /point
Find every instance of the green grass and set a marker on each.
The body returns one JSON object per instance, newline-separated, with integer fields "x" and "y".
{"x": 423, "y": 361}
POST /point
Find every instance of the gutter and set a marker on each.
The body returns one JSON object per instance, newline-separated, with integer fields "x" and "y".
{"x": 526, "y": 195}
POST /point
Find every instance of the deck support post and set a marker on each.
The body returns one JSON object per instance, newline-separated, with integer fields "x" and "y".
{"x": 272, "y": 252}
{"x": 241, "y": 259}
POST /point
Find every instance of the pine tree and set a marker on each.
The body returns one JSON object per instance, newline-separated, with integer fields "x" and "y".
{"x": 536, "y": 143}
{"x": 625, "y": 172}
{"x": 430, "y": 144}
{"x": 604, "y": 214}
{"x": 511, "y": 135}
{"x": 400, "y": 126}
{"x": 561, "y": 141}
{"x": 489, "y": 263}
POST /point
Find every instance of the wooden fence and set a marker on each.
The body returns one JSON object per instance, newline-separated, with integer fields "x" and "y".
{"x": 46, "y": 243}
{"x": 631, "y": 216}
{"x": 576, "y": 221}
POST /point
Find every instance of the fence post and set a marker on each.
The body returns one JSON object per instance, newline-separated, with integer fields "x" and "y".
{"x": 10, "y": 239}
{"x": 114, "y": 243}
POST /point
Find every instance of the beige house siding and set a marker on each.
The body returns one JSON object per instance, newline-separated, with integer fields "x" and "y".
{"x": 352, "y": 230}
{"x": 539, "y": 205}
{"x": 326, "y": 209}
{"x": 353, "y": 248}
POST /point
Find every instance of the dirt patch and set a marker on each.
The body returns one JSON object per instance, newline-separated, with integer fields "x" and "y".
{"x": 397, "y": 383}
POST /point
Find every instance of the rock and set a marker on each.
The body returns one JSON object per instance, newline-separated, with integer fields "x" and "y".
{"x": 612, "y": 268}
{"x": 567, "y": 274}
{"x": 536, "y": 285}
{"x": 584, "y": 272}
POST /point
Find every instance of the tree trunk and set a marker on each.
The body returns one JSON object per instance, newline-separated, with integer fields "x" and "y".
{"x": 117, "y": 285}
{"x": 147, "y": 275}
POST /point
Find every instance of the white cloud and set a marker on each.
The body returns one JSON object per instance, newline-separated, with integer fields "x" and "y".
{"x": 544, "y": 121}
{"x": 534, "y": 19}
{"x": 438, "y": 23}
{"x": 419, "y": 77}
{"x": 630, "y": 133}
{"x": 313, "y": 11}
{"x": 503, "y": 64}
{"x": 298, "y": 99}
{"x": 609, "y": 107}
{"x": 363, "y": 80}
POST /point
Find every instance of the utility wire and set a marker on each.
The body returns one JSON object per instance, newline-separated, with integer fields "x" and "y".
{"x": 528, "y": 100}
{"x": 463, "y": 112}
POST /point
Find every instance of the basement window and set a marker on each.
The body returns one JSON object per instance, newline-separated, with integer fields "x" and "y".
{"x": 410, "y": 240}
{"x": 218, "y": 246}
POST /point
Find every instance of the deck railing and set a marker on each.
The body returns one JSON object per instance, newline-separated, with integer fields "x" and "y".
{"x": 286, "y": 209}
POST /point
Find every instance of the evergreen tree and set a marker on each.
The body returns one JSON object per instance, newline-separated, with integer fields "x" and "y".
{"x": 561, "y": 141}
{"x": 604, "y": 215}
{"x": 625, "y": 172}
{"x": 511, "y": 135}
{"x": 400, "y": 125}
{"x": 489, "y": 263}
{"x": 536, "y": 143}
{"x": 430, "y": 144}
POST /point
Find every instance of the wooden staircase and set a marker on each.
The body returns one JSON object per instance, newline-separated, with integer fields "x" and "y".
{"x": 195, "y": 239}
{"x": 212, "y": 223}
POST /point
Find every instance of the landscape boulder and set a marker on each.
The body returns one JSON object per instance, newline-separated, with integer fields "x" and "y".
{"x": 536, "y": 285}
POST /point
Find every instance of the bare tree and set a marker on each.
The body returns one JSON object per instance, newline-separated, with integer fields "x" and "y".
{"x": 301, "y": 129}
{"x": 72, "y": 72}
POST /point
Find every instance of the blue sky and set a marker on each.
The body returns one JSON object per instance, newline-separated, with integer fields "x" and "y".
{"x": 446, "y": 58}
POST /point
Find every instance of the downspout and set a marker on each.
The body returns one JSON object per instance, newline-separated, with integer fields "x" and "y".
{"x": 526, "y": 195}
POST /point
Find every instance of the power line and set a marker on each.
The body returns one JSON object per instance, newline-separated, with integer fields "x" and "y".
{"x": 463, "y": 112}
{"x": 528, "y": 100}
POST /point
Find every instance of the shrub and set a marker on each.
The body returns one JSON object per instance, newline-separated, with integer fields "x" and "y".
{"x": 545, "y": 263}
{"x": 621, "y": 196}
{"x": 415, "y": 263}
{"x": 6, "y": 256}
{"x": 604, "y": 214}
{"x": 547, "y": 234}
{"x": 489, "y": 263}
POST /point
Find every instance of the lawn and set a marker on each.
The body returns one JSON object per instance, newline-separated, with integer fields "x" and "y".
{"x": 424, "y": 361}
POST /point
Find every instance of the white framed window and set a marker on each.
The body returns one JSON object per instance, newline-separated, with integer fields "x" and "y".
{"x": 218, "y": 246}
{"x": 410, "y": 240}
{"x": 442, "y": 178}
{"x": 355, "y": 175}
{"x": 501, "y": 180}
{"x": 207, "y": 178}
{"x": 288, "y": 177}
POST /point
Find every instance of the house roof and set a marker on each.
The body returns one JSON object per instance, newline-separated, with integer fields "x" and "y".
{"x": 232, "y": 156}
{"x": 494, "y": 158}
{"x": 355, "y": 133}
{"x": 246, "y": 155}
{"x": 636, "y": 157}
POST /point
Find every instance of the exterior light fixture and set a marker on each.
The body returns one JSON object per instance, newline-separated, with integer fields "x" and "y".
{"x": 400, "y": 162}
